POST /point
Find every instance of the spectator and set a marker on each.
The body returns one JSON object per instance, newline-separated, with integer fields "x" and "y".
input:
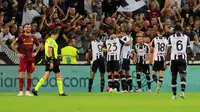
{"x": 97, "y": 8}
{"x": 196, "y": 28}
{"x": 192, "y": 35}
{"x": 8, "y": 10}
{"x": 5, "y": 37}
{"x": 153, "y": 10}
{"x": 88, "y": 7}
{"x": 186, "y": 13}
{"x": 35, "y": 32}
{"x": 87, "y": 35}
{"x": 29, "y": 13}
{"x": 13, "y": 30}
{"x": 20, "y": 29}
{"x": 69, "y": 53}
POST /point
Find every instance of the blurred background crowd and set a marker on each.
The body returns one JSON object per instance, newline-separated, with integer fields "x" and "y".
{"x": 80, "y": 21}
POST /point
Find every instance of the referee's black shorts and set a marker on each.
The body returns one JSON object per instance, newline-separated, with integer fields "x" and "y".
{"x": 56, "y": 68}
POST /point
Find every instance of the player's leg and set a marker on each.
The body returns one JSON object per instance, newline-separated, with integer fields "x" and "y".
{"x": 129, "y": 81}
{"x": 174, "y": 71}
{"x": 22, "y": 70}
{"x": 161, "y": 69}
{"x": 92, "y": 75}
{"x": 116, "y": 75}
{"x": 154, "y": 71}
{"x": 146, "y": 70}
{"x": 60, "y": 84}
{"x": 109, "y": 71}
{"x": 123, "y": 76}
{"x": 182, "y": 71}
{"x": 102, "y": 72}
{"x": 102, "y": 81}
{"x": 29, "y": 83}
{"x": 123, "y": 80}
{"x": 42, "y": 80}
{"x": 30, "y": 70}
{"x": 59, "y": 81}
{"x": 138, "y": 77}
{"x": 160, "y": 81}
{"x": 40, "y": 83}
{"x": 183, "y": 85}
{"x": 94, "y": 67}
{"x": 128, "y": 75}
{"x": 21, "y": 83}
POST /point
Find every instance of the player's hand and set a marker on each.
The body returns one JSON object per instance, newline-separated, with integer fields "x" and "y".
{"x": 20, "y": 55}
{"x": 192, "y": 59}
{"x": 134, "y": 61}
{"x": 34, "y": 54}
{"x": 51, "y": 66}
{"x": 165, "y": 65}
{"x": 145, "y": 60}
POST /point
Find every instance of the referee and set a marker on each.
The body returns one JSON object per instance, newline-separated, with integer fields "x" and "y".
{"x": 52, "y": 63}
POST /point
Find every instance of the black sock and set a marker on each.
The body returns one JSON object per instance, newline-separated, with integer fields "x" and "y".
{"x": 155, "y": 78}
{"x": 102, "y": 84}
{"x": 129, "y": 83}
{"x": 183, "y": 84}
{"x": 116, "y": 81}
{"x": 90, "y": 84}
{"x": 161, "y": 79}
{"x": 174, "y": 86}
{"x": 123, "y": 82}
{"x": 118, "y": 86}
{"x": 148, "y": 81}
{"x": 110, "y": 81}
{"x": 139, "y": 81}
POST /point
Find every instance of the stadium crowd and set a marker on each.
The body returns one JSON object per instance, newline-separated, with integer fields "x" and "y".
{"x": 79, "y": 21}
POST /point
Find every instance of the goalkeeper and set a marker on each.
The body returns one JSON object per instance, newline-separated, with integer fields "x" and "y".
{"x": 52, "y": 63}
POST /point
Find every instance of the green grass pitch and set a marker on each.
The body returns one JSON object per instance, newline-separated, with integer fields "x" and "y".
{"x": 100, "y": 102}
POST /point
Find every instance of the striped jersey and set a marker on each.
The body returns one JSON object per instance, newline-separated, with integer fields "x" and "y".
{"x": 113, "y": 49}
{"x": 179, "y": 44}
{"x": 96, "y": 48}
{"x": 103, "y": 37}
{"x": 160, "y": 46}
{"x": 126, "y": 50}
{"x": 141, "y": 53}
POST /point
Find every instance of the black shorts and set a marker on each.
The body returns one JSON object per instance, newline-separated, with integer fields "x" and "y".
{"x": 143, "y": 68}
{"x": 56, "y": 68}
{"x": 158, "y": 66}
{"x": 99, "y": 63}
{"x": 178, "y": 66}
{"x": 112, "y": 66}
{"x": 126, "y": 64}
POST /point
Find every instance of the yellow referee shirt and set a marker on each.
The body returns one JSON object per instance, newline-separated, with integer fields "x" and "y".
{"x": 69, "y": 55}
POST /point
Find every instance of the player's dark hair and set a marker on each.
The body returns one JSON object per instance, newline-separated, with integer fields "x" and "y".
{"x": 89, "y": 23}
{"x": 54, "y": 31}
{"x": 70, "y": 41}
{"x": 160, "y": 30}
{"x": 26, "y": 24}
{"x": 178, "y": 29}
